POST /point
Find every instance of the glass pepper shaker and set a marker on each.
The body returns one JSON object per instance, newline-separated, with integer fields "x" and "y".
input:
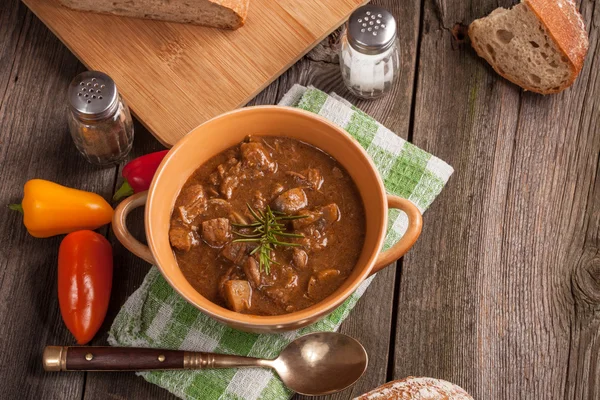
{"x": 369, "y": 52}
{"x": 99, "y": 119}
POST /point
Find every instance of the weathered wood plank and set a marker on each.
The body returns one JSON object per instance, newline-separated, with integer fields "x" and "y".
{"x": 500, "y": 295}
{"x": 34, "y": 143}
{"x": 14, "y": 20}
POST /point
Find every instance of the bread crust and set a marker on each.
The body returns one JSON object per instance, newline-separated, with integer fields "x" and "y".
{"x": 566, "y": 27}
{"x": 417, "y": 389}
{"x": 567, "y": 30}
{"x": 239, "y": 8}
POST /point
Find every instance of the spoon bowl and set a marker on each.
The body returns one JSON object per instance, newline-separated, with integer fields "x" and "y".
{"x": 321, "y": 363}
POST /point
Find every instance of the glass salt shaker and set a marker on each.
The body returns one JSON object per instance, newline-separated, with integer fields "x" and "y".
{"x": 369, "y": 53}
{"x": 99, "y": 119}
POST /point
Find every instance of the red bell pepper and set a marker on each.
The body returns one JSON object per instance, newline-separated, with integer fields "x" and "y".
{"x": 85, "y": 269}
{"x": 138, "y": 174}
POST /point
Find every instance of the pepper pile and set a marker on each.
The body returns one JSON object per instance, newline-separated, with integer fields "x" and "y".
{"x": 85, "y": 260}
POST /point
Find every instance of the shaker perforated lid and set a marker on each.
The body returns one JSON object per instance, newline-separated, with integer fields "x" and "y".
{"x": 93, "y": 95}
{"x": 371, "y": 29}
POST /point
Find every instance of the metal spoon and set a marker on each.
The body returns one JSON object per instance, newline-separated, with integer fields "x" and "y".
{"x": 315, "y": 364}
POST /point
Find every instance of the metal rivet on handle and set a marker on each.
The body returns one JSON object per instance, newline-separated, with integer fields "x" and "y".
{"x": 161, "y": 358}
{"x": 89, "y": 356}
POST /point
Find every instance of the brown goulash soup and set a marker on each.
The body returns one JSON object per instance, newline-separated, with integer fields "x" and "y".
{"x": 268, "y": 227}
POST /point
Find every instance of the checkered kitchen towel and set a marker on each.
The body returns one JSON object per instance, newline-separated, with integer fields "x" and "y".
{"x": 156, "y": 316}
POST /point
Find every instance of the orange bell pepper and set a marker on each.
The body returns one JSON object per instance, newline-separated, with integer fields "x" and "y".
{"x": 50, "y": 209}
{"x": 85, "y": 269}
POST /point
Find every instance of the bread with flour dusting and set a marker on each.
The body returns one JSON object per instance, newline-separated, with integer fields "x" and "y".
{"x": 538, "y": 44}
{"x": 413, "y": 388}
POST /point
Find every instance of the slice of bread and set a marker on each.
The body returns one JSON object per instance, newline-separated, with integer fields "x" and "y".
{"x": 538, "y": 44}
{"x": 226, "y": 14}
{"x": 413, "y": 388}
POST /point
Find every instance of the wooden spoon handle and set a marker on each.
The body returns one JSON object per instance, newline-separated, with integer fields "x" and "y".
{"x": 87, "y": 358}
{"x": 84, "y": 358}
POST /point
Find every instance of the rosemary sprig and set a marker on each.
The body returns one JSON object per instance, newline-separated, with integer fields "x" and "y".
{"x": 267, "y": 230}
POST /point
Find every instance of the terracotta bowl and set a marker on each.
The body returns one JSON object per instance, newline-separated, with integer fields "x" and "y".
{"x": 227, "y": 130}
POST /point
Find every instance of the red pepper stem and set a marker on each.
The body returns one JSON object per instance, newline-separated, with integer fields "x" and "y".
{"x": 124, "y": 191}
{"x": 16, "y": 207}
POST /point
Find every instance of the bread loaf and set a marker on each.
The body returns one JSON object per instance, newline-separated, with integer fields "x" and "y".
{"x": 538, "y": 44}
{"x": 413, "y": 388}
{"x": 227, "y": 14}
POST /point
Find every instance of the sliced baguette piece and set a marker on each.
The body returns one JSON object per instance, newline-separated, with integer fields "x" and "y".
{"x": 412, "y": 388}
{"x": 539, "y": 45}
{"x": 225, "y": 14}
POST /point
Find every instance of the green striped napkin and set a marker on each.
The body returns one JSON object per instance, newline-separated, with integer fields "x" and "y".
{"x": 156, "y": 316}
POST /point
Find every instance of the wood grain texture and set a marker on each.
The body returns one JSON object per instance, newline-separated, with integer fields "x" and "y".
{"x": 500, "y": 295}
{"x": 176, "y": 76}
{"x": 107, "y": 358}
{"x": 34, "y": 141}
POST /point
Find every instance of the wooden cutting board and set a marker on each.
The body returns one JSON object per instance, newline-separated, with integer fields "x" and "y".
{"x": 176, "y": 76}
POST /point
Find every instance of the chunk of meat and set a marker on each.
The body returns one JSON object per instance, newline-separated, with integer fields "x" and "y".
{"x": 236, "y": 252}
{"x": 324, "y": 215}
{"x": 291, "y": 201}
{"x": 191, "y": 203}
{"x": 299, "y": 258}
{"x": 218, "y": 207}
{"x": 252, "y": 271}
{"x": 311, "y": 177}
{"x": 259, "y": 201}
{"x": 221, "y": 171}
{"x": 310, "y": 218}
{"x": 286, "y": 288}
{"x": 183, "y": 238}
{"x": 238, "y": 295}
{"x": 257, "y": 158}
{"x": 314, "y": 178}
{"x": 330, "y": 213}
{"x": 277, "y": 190}
{"x": 216, "y": 232}
{"x": 228, "y": 185}
{"x": 321, "y": 283}
{"x": 214, "y": 178}
{"x": 232, "y": 273}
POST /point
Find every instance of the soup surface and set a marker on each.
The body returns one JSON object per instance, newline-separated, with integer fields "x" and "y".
{"x": 268, "y": 227}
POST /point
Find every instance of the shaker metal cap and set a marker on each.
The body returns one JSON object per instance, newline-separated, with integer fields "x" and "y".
{"x": 93, "y": 95}
{"x": 371, "y": 29}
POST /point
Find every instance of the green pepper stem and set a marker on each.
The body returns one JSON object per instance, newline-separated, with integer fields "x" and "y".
{"x": 124, "y": 191}
{"x": 16, "y": 207}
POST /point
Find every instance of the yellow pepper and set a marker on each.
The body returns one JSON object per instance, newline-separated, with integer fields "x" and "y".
{"x": 51, "y": 209}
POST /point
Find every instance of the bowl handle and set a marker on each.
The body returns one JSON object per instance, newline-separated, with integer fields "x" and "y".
{"x": 119, "y": 226}
{"x": 415, "y": 222}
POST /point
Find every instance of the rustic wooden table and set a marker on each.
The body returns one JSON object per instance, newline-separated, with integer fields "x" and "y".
{"x": 501, "y": 294}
